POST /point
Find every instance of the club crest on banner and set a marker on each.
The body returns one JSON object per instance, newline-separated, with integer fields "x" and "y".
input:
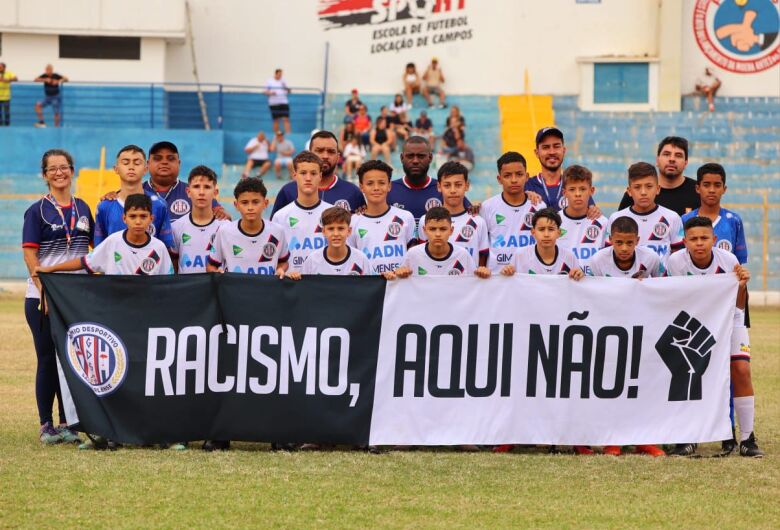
{"x": 97, "y": 356}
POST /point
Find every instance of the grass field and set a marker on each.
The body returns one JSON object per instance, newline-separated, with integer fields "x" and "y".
{"x": 253, "y": 487}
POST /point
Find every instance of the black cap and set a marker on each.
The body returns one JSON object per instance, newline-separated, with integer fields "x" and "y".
{"x": 548, "y": 131}
{"x": 159, "y": 146}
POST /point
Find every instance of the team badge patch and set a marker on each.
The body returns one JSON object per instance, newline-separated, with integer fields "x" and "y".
{"x": 432, "y": 203}
{"x": 97, "y": 356}
{"x": 147, "y": 265}
{"x": 180, "y": 207}
{"x": 724, "y": 244}
{"x": 269, "y": 249}
{"x": 82, "y": 225}
{"x": 660, "y": 230}
{"x": 341, "y": 203}
{"x": 592, "y": 232}
{"x": 467, "y": 232}
{"x": 151, "y": 230}
{"x": 394, "y": 229}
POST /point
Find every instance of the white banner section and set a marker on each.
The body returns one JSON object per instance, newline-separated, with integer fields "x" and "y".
{"x": 547, "y": 360}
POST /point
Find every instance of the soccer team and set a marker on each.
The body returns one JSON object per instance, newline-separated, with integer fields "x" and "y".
{"x": 415, "y": 225}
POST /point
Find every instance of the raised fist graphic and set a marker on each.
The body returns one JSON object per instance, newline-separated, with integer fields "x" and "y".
{"x": 685, "y": 348}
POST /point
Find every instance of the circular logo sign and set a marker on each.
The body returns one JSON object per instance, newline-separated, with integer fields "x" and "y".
{"x": 97, "y": 356}
{"x": 151, "y": 230}
{"x": 83, "y": 224}
{"x": 147, "y": 265}
{"x": 269, "y": 249}
{"x": 725, "y": 244}
{"x": 432, "y": 203}
{"x": 180, "y": 207}
{"x": 394, "y": 229}
{"x": 740, "y": 36}
{"x": 529, "y": 219}
{"x": 467, "y": 231}
{"x": 341, "y": 203}
{"x": 592, "y": 232}
{"x": 660, "y": 229}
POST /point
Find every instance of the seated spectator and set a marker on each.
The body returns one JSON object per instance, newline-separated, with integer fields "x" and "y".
{"x": 708, "y": 86}
{"x": 456, "y": 119}
{"x": 354, "y": 154}
{"x": 423, "y": 126}
{"x": 362, "y": 123}
{"x": 52, "y": 95}
{"x": 347, "y": 132}
{"x": 434, "y": 79}
{"x": 257, "y": 149}
{"x": 400, "y": 108}
{"x": 285, "y": 150}
{"x": 382, "y": 140}
{"x": 450, "y": 138}
{"x": 412, "y": 84}
{"x": 464, "y": 155}
{"x": 352, "y": 106}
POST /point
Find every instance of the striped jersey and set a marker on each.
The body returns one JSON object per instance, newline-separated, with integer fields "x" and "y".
{"x": 236, "y": 250}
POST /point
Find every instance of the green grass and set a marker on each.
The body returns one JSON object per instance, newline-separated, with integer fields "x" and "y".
{"x": 253, "y": 487}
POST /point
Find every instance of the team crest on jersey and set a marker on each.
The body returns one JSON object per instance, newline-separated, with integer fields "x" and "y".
{"x": 562, "y": 203}
{"x": 151, "y": 230}
{"x": 467, "y": 232}
{"x": 592, "y": 233}
{"x": 660, "y": 230}
{"x": 269, "y": 249}
{"x": 342, "y": 203}
{"x": 528, "y": 221}
{"x": 433, "y": 202}
{"x": 180, "y": 207}
{"x": 457, "y": 269}
{"x": 97, "y": 356}
{"x": 724, "y": 244}
{"x": 356, "y": 270}
{"x": 394, "y": 229}
{"x": 82, "y": 225}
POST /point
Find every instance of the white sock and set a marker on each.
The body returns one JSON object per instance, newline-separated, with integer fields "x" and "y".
{"x": 744, "y": 407}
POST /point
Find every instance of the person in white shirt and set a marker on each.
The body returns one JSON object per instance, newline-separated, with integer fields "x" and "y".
{"x": 285, "y": 150}
{"x": 354, "y": 154}
{"x": 277, "y": 90}
{"x": 257, "y": 149}
{"x": 708, "y": 86}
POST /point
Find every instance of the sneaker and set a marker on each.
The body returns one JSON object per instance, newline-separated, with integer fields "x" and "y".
{"x": 728, "y": 446}
{"x": 216, "y": 445}
{"x": 442, "y": 105}
{"x": 283, "y": 447}
{"x": 111, "y": 445}
{"x": 583, "y": 450}
{"x": 505, "y": 448}
{"x": 68, "y": 436}
{"x": 750, "y": 448}
{"x": 683, "y": 450}
{"x": 97, "y": 443}
{"x": 178, "y": 446}
{"x": 49, "y": 435}
{"x": 611, "y": 450}
{"x": 310, "y": 447}
{"x": 650, "y": 450}
{"x": 40, "y": 124}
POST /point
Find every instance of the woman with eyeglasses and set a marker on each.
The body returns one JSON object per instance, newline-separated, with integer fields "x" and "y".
{"x": 57, "y": 227}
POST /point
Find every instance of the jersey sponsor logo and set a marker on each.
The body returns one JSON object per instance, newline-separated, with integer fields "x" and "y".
{"x": 563, "y": 232}
{"x": 343, "y": 203}
{"x": 362, "y": 232}
{"x": 260, "y": 269}
{"x": 293, "y": 221}
{"x": 421, "y": 271}
{"x": 583, "y": 253}
{"x": 180, "y": 207}
{"x": 740, "y": 36}
{"x": 724, "y": 244}
{"x": 433, "y": 202}
{"x": 237, "y": 250}
{"x": 97, "y": 356}
{"x": 198, "y": 262}
{"x": 307, "y": 243}
{"x": 117, "y": 257}
{"x": 185, "y": 238}
{"x": 518, "y": 241}
{"x": 385, "y": 251}
{"x": 500, "y": 218}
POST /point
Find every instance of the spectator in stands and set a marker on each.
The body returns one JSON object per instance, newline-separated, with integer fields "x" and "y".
{"x": 413, "y": 85}
{"x": 284, "y": 150}
{"x": 382, "y": 140}
{"x": 449, "y": 140}
{"x": 277, "y": 90}
{"x": 51, "y": 90}
{"x": 708, "y": 86}
{"x": 354, "y": 155}
{"x": 434, "y": 79}
{"x": 456, "y": 119}
{"x": 423, "y": 126}
{"x": 348, "y": 132}
{"x": 352, "y": 106}
{"x": 363, "y": 125}
{"x": 678, "y": 192}
{"x": 257, "y": 149}
{"x": 6, "y": 78}
{"x": 464, "y": 155}
{"x": 400, "y": 107}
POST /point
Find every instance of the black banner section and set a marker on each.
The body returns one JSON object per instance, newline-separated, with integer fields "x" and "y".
{"x": 219, "y": 356}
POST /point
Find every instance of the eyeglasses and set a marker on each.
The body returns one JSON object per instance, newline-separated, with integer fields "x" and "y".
{"x": 53, "y": 169}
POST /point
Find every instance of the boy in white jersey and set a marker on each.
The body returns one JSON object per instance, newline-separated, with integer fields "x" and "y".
{"x": 382, "y": 232}
{"x": 469, "y": 231}
{"x": 338, "y": 258}
{"x": 700, "y": 257}
{"x": 624, "y": 258}
{"x": 250, "y": 245}
{"x": 439, "y": 257}
{"x": 193, "y": 234}
{"x": 660, "y": 229}
{"x": 545, "y": 256}
{"x": 300, "y": 219}
{"x": 581, "y": 235}
{"x": 132, "y": 251}
{"x": 508, "y": 215}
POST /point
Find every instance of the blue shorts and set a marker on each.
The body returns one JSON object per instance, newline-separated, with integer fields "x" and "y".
{"x": 54, "y": 101}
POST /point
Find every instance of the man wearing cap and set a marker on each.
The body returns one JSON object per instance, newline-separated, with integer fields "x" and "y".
{"x": 550, "y": 150}
{"x": 434, "y": 79}
{"x": 352, "y": 106}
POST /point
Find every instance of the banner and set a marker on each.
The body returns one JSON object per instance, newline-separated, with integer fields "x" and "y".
{"x": 422, "y": 361}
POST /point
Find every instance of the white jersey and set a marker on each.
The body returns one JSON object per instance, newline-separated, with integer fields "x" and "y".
{"x": 468, "y": 231}
{"x": 660, "y": 229}
{"x": 646, "y": 264}
{"x": 355, "y": 264}
{"x": 527, "y": 261}
{"x": 583, "y": 236}
{"x": 192, "y": 243}
{"x": 383, "y": 239}
{"x": 115, "y": 255}
{"x": 302, "y": 230}
{"x": 234, "y": 250}
{"x": 509, "y": 228}
{"x": 457, "y": 262}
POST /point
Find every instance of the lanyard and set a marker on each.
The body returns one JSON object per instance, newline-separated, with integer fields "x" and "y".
{"x": 549, "y": 201}
{"x": 69, "y": 228}
{"x": 165, "y": 198}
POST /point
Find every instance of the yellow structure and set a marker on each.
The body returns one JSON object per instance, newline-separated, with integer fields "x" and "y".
{"x": 94, "y": 183}
{"x": 521, "y": 117}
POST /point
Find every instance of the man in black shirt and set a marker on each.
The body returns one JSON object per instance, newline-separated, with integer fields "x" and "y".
{"x": 678, "y": 192}
{"x": 352, "y": 105}
{"x": 51, "y": 90}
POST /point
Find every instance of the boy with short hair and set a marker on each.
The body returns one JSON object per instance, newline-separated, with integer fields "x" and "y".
{"x": 579, "y": 234}
{"x": 300, "y": 219}
{"x": 337, "y": 258}
{"x": 469, "y": 231}
{"x": 702, "y": 257}
{"x": 439, "y": 257}
{"x": 383, "y": 232}
{"x": 131, "y": 166}
{"x": 624, "y": 258}
{"x": 193, "y": 234}
{"x": 508, "y": 215}
{"x": 249, "y": 245}
{"x": 659, "y": 228}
